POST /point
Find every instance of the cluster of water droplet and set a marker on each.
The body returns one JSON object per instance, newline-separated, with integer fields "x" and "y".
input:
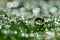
{"x": 20, "y": 20}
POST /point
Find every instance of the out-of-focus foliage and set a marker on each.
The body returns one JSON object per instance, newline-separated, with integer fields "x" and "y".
{"x": 29, "y": 20}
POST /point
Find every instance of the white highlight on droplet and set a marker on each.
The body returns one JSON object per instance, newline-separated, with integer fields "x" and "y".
{"x": 15, "y": 32}
{"x": 31, "y": 35}
{"x": 49, "y": 34}
{"x": 9, "y": 5}
{"x": 15, "y": 3}
{"x": 26, "y": 35}
{"x": 35, "y": 11}
{"x": 23, "y": 34}
{"x": 12, "y": 4}
{"x": 53, "y": 10}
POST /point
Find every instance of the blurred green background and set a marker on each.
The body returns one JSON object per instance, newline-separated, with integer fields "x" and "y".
{"x": 29, "y": 19}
